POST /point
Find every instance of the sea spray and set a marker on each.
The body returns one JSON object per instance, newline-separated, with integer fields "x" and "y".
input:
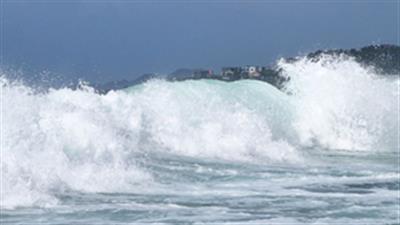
{"x": 341, "y": 104}
{"x": 61, "y": 139}
{"x": 80, "y": 140}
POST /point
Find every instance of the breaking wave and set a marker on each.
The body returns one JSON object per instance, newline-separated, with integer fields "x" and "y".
{"x": 79, "y": 140}
{"x": 343, "y": 105}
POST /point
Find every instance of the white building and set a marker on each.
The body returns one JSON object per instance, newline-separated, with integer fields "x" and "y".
{"x": 252, "y": 71}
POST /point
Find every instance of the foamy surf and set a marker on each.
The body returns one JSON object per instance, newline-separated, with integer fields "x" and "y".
{"x": 207, "y": 150}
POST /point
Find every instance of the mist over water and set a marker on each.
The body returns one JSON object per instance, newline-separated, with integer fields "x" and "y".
{"x": 322, "y": 150}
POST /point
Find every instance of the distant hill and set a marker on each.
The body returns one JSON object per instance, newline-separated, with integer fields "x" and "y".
{"x": 384, "y": 58}
{"x": 181, "y": 74}
{"x": 121, "y": 84}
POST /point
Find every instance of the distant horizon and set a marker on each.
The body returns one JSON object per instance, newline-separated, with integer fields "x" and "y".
{"x": 21, "y": 70}
{"x": 110, "y": 41}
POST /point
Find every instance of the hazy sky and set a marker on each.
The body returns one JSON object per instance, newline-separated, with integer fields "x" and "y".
{"x": 110, "y": 40}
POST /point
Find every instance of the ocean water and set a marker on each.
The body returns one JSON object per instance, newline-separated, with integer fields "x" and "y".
{"x": 324, "y": 150}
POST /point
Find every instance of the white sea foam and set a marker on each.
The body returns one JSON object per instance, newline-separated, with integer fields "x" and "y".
{"x": 84, "y": 141}
{"x": 341, "y": 104}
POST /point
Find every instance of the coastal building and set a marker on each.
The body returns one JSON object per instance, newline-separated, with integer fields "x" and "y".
{"x": 231, "y": 73}
{"x": 248, "y": 71}
{"x": 251, "y": 71}
{"x": 202, "y": 73}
